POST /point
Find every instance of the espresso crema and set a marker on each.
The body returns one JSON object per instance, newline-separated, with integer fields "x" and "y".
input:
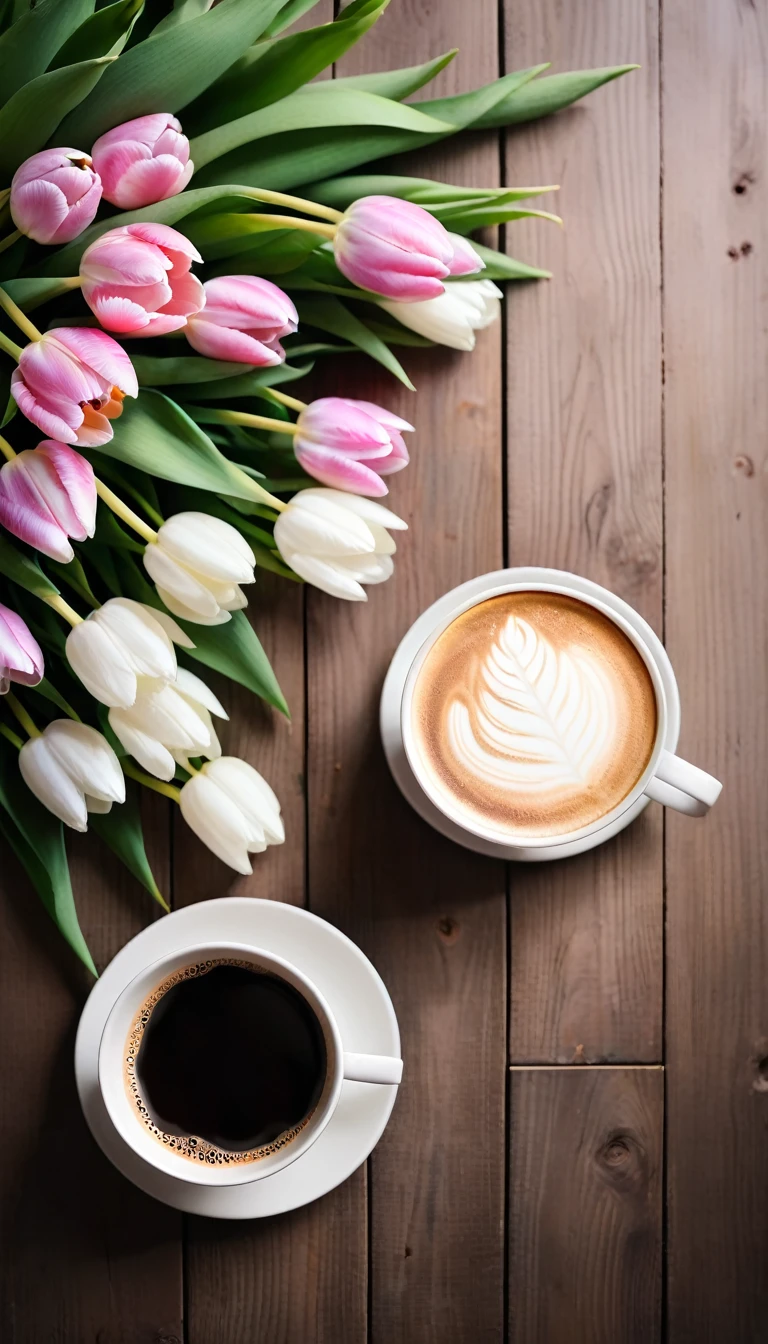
{"x": 533, "y": 715}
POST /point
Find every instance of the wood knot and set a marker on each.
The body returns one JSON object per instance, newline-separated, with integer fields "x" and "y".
{"x": 622, "y": 1163}
{"x": 742, "y": 183}
{"x": 744, "y": 464}
{"x": 408, "y": 1252}
{"x": 743, "y": 250}
{"x": 616, "y": 1151}
{"x": 448, "y": 929}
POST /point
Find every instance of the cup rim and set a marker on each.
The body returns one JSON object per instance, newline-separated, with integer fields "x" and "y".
{"x": 444, "y": 804}
{"x": 118, "y": 1105}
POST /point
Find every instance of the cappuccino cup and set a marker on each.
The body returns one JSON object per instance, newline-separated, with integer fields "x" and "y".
{"x": 534, "y": 716}
{"x": 222, "y": 1063}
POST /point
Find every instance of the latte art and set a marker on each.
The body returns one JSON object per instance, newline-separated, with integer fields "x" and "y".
{"x": 533, "y": 715}
{"x": 532, "y": 718}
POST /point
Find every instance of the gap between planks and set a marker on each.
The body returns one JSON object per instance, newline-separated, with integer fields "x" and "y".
{"x": 582, "y": 1068}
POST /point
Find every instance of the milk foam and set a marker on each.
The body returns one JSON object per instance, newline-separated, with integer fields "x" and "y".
{"x": 533, "y": 715}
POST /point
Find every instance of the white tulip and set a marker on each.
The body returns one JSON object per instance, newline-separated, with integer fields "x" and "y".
{"x": 233, "y": 810}
{"x": 197, "y": 564}
{"x": 337, "y": 541}
{"x": 73, "y": 770}
{"x": 169, "y": 722}
{"x": 464, "y": 307}
{"x": 118, "y": 643}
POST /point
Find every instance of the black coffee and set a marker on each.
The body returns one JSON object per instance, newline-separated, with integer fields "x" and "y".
{"x": 225, "y": 1062}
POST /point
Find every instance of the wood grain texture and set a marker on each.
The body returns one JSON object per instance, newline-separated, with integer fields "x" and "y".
{"x": 75, "y": 1237}
{"x": 584, "y": 492}
{"x": 431, "y": 916}
{"x": 716, "y": 344}
{"x": 586, "y": 1188}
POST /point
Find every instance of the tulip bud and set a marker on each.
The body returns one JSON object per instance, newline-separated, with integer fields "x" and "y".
{"x": 47, "y": 495}
{"x": 114, "y": 646}
{"x": 73, "y": 770}
{"x": 55, "y": 195}
{"x": 350, "y": 444}
{"x": 168, "y": 723}
{"x": 21, "y": 658}
{"x": 72, "y": 382}
{"x": 337, "y": 542}
{"x": 454, "y": 316}
{"x": 232, "y": 809}
{"x": 243, "y": 320}
{"x": 197, "y": 564}
{"x": 136, "y": 279}
{"x": 143, "y": 161}
{"x": 397, "y": 249}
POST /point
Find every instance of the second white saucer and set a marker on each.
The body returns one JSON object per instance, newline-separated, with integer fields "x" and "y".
{"x": 360, "y": 1004}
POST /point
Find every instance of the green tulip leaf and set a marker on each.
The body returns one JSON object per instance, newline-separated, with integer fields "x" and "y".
{"x": 157, "y": 436}
{"x": 498, "y": 266}
{"x": 49, "y": 692}
{"x": 248, "y": 383}
{"x": 544, "y": 96}
{"x": 32, "y": 115}
{"x": 25, "y": 571}
{"x": 104, "y": 33}
{"x": 399, "y": 84}
{"x": 289, "y": 13}
{"x": 37, "y": 838}
{"x": 330, "y": 314}
{"x": 436, "y": 197}
{"x": 170, "y": 68}
{"x": 271, "y": 70}
{"x": 28, "y": 48}
{"x": 121, "y": 829}
{"x": 152, "y": 371}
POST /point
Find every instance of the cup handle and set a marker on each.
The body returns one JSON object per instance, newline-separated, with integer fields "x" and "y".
{"x": 683, "y": 786}
{"x": 372, "y": 1068}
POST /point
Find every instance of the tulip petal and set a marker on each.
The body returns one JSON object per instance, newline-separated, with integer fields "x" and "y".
{"x": 149, "y": 180}
{"x": 208, "y": 546}
{"x": 151, "y": 755}
{"x": 187, "y": 614}
{"x": 364, "y": 508}
{"x": 220, "y": 826}
{"x": 334, "y": 469}
{"x": 367, "y": 568}
{"x": 223, "y": 343}
{"x": 121, "y": 315}
{"x": 98, "y": 351}
{"x": 465, "y": 260}
{"x": 20, "y": 652}
{"x": 326, "y": 575}
{"x": 101, "y": 665}
{"x": 250, "y": 792}
{"x": 194, "y": 688}
{"x": 75, "y": 475}
{"x": 134, "y": 630}
{"x": 175, "y": 579}
{"x": 88, "y": 759}
{"x": 38, "y": 208}
{"x": 172, "y": 629}
{"x": 320, "y": 522}
{"x": 50, "y": 782}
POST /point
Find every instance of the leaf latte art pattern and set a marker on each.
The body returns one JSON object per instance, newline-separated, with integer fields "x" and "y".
{"x": 533, "y": 718}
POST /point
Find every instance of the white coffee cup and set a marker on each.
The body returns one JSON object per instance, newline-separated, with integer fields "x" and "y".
{"x": 125, "y": 1115}
{"x": 667, "y": 778}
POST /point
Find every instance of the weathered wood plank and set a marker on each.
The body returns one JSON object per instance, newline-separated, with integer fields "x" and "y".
{"x": 584, "y": 479}
{"x": 75, "y": 1238}
{"x": 716, "y": 344}
{"x": 431, "y": 916}
{"x": 586, "y": 1190}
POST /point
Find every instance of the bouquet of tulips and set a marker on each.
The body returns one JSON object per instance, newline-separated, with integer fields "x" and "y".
{"x": 153, "y": 456}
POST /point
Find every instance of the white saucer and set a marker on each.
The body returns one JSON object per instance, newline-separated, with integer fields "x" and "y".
{"x": 394, "y": 685}
{"x": 357, "y": 997}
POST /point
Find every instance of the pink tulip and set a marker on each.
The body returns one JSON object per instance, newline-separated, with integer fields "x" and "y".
{"x": 243, "y": 320}
{"x": 71, "y": 383}
{"x": 395, "y": 248}
{"x": 21, "y": 658}
{"x": 136, "y": 279}
{"x": 55, "y": 195}
{"x": 143, "y": 161}
{"x": 350, "y": 445}
{"x": 47, "y": 495}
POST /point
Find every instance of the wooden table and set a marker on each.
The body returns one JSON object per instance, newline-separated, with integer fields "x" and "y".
{"x": 578, "y": 1153}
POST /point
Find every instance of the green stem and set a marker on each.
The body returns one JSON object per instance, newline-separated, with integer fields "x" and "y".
{"x": 10, "y": 347}
{"x": 56, "y": 601}
{"x": 292, "y": 403}
{"x": 294, "y": 202}
{"x": 158, "y": 785}
{"x": 289, "y": 222}
{"x": 115, "y": 503}
{"x": 20, "y": 713}
{"x": 12, "y": 737}
{"x": 5, "y": 195}
{"x": 22, "y": 321}
{"x": 6, "y": 449}
{"x": 10, "y": 240}
{"x": 255, "y": 421}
